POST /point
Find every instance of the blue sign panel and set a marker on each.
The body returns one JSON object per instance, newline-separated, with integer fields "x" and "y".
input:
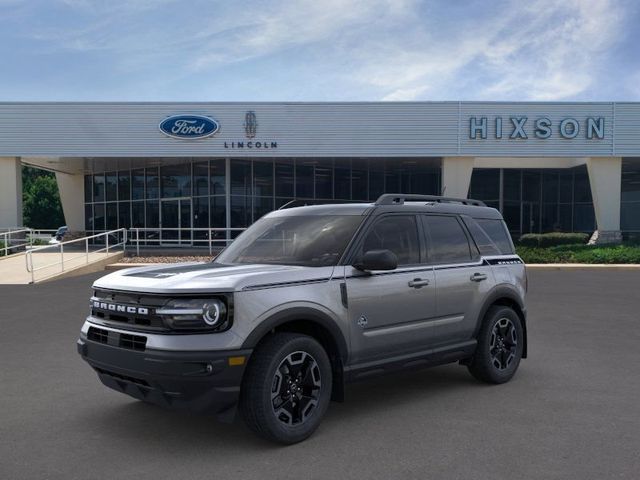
{"x": 189, "y": 126}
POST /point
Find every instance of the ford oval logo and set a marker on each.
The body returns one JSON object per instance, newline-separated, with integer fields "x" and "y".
{"x": 189, "y": 126}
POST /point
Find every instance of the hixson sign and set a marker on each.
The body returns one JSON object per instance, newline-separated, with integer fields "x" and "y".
{"x": 543, "y": 127}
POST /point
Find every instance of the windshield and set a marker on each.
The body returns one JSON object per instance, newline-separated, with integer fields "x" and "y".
{"x": 313, "y": 241}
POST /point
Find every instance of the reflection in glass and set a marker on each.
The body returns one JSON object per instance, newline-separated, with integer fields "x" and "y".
{"x": 152, "y": 182}
{"x": 111, "y": 186}
{"x": 176, "y": 180}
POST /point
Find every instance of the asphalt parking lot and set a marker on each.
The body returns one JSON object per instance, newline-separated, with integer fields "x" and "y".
{"x": 572, "y": 411}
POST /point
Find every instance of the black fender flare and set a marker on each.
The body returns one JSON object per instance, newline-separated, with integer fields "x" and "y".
{"x": 510, "y": 293}
{"x": 300, "y": 313}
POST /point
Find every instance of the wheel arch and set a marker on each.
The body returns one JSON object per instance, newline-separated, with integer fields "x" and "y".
{"x": 507, "y": 297}
{"x": 316, "y": 324}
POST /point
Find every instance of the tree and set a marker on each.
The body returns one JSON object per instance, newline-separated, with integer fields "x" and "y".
{"x": 41, "y": 207}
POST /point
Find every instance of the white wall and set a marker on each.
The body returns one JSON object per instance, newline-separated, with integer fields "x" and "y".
{"x": 71, "y": 189}
{"x": 10, "y": 192}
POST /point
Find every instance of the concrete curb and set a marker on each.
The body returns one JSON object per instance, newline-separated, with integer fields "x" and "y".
{"x": 574, "y": 266}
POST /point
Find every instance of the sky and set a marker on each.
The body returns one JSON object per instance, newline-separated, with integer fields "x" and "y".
{"x": 319, "y": 50}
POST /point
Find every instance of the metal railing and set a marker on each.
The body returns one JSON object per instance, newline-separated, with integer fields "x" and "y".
{"x": 8, "y": 242}
{"x": 24, "y": 236}
{"x": 182, "y": 237}
{"x": 111, "y": 240}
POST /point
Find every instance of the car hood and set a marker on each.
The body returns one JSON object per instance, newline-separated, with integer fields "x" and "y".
{"x": 209, "y": 277}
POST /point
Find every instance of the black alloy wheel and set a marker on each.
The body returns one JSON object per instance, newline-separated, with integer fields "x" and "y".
{"x": 500, "y": 346}
{"x": 286, "y": 389}
{"x": 296, "y": 388}
{"x": 504, "y": 343}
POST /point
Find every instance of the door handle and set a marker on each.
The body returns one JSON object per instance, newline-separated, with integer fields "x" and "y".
{"x": 418, "y": 283}
{"x": 478, "y": 277}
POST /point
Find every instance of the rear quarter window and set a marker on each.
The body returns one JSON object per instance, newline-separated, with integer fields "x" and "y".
{"x": 498, "y": 233}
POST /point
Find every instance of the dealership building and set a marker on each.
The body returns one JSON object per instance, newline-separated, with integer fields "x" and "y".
{"x": 182, "y": 168}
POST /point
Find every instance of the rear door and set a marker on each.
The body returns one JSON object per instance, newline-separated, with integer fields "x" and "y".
{"x": 390, "y": 311}
{"x": 462, "y": 280}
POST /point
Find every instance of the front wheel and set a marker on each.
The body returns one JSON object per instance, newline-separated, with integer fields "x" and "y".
{"x": 500, "y": 346}
{"x": 287, "y": 388}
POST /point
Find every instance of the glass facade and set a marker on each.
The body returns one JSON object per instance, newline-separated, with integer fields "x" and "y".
{"x": 630, "y": 197}
{"x": 172, "y": 198}
{"x": 538, "y": 200}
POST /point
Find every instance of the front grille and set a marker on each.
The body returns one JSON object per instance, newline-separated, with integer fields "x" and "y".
{"x": 126, "y": 378}
{"x": 98, "y": 335}
{"x": 122, "y": 340}
{"x": 128, "y": 309}
{"x": 133, "y": 342}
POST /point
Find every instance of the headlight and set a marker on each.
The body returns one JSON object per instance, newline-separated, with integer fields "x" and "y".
{"x": 195, "y": 314}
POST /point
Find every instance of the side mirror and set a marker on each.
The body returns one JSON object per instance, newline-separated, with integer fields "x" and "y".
{"x": 377, "y": 260}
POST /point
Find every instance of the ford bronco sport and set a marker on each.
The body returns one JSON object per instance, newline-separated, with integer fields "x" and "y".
{"x": 309, "y": 298}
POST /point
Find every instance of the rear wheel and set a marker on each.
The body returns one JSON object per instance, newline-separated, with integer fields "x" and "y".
{"x": 500, "y": 345}
{"x": 287, "y": 388}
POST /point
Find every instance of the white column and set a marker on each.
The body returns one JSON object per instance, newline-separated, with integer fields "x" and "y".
{"x": 10, "y": 192}
{"x": 71, "y": 189}
{"x": 456, "y": 176}
{"x": 605, "y": 177}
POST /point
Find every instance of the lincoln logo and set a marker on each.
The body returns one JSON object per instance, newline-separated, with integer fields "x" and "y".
{"x": 250, "y": 124}
{"x": 112, "y": 307}
{"x": 189, "y": 126}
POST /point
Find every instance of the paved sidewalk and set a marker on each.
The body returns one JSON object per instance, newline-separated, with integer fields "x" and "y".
{"x": 13, "y": 269}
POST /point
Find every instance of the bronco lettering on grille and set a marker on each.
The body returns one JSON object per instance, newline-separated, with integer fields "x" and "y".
{"x": 113, "y": 307}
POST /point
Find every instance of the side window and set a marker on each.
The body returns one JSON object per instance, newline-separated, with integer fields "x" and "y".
{"x": 448, "y": 242}
{"x": 497, "y": 231}
{"x": 398, "y": 233}
{"x": 484, "y": 243}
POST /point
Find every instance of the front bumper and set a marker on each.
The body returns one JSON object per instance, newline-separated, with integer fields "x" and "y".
{"x": 196, "y": 381}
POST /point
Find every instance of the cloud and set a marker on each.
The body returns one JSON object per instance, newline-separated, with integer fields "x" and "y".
{"x": 395, "y": 50}
{"x": 538, "y": 50}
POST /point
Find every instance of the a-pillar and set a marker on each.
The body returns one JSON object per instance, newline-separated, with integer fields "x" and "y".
{"x": 605, "y": 177}
{"x": 71, "y": 188}
{"x": 10, "y": 192}
{"x": 456, "y": 176}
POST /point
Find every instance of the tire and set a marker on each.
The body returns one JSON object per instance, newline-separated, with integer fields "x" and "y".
{"x": 500, "y": 345}
{"x": 298, "y": 371}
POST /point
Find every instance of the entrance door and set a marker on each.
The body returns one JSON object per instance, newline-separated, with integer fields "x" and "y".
{"x": 176, "y": 222}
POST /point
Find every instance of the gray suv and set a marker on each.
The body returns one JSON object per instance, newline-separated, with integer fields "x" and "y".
{"x": 308, "y": 299}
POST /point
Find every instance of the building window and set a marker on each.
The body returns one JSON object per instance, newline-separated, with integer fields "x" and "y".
{"x": 200, "y": 178}
{"x": 152, "y": 183}
{"x": 176, "y": 180}
{"x": 538, "y": 200}
{"x": 98, "y": 188}
{"x": 140, "y": 197}
{"x": 111, "y": 186}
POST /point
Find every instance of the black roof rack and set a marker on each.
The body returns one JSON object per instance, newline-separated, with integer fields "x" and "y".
{"x": 400, "y": 198}
{"x": 304, "y": 202}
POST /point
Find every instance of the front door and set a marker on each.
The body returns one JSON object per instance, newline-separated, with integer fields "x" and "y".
{"x": 176, "y": 222}
{"x": 390, "y": 312}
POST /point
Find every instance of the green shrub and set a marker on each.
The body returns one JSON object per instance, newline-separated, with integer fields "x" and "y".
{"x": 542, "y": 255}
{"x": 552, "y": 239}
{"x": 581, "y": 254}
{"x": 1, "y": 249}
